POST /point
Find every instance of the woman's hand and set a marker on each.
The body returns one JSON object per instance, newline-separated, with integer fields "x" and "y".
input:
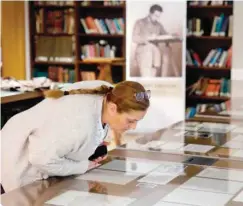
{"x": 99, "y": 159}
{"x": 95, "y": 163}
{"x": 92, "y": 165}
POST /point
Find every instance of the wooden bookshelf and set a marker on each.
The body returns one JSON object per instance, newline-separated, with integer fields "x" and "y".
{"x": 78, "y": 40}
{"x": 199, "y": 44}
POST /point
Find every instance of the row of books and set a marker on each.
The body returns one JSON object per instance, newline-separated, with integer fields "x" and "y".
{"x": 57, "y": 21}
{"x": 206, "y": 3}
{"x": 105, "y": 2}
{"x": 207, "y": 109}
{"x": 39, "y": 21}
{"x": 217, "y": 57}
{"x": 211, "y": 87}
{"x": 54, "y": 3}
{"x": 213, "y": 108}
{"x": 98, "y": 50}
{"x": 102, "y": 26}
{"x": 61, "y": 48}
{"x": 87, "y": 75}
{"x": 190, "y": 112}
{"x": 64, "y": 75}
{"x": 220, "y": 26}
{"x": 114, "y": 2}
{"x": 57, "y": 74}
{"x": 83, "y": 3}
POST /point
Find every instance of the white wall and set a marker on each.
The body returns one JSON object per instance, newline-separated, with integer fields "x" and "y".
{"x": 237, "y": 53}
{"x": 167, "y": 105}
{"x": 27, "y": 42}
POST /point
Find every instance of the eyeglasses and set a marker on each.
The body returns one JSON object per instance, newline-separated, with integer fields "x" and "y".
{"x": 140, "y": 96}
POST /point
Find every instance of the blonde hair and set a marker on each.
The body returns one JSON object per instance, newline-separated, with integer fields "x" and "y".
{"x": 123, "y": 95}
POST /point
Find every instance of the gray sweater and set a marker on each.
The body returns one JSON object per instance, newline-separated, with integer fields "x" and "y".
{"x": 53, "y": 138}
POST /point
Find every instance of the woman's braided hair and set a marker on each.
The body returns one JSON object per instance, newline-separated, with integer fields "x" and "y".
{"x": 59, "y": 93}
{"x": 123, "y": 95}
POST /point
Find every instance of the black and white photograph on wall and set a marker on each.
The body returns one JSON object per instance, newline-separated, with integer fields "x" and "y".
{"x": 155, "y": 38}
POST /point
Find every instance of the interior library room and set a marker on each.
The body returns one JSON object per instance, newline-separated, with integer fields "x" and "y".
{"x": 150, "y": 90}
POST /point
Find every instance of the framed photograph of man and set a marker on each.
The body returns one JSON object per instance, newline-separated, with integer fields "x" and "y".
{"x": 155, "y": 38}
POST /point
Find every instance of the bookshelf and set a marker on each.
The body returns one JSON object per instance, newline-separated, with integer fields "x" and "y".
{"x": 78, "y": 40}
{"x": 208, "y": 57}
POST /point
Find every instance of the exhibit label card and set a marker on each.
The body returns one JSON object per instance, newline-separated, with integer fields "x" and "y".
{"x": 75, "y": 198}
{"x": 114, "y": 177}
{"x": 197, "y": 148}
{"x": 197, "y": 197}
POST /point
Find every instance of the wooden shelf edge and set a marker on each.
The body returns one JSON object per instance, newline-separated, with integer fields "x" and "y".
{"x": 228, "y": 38}
{"x": 210, "y": 119}
{"x": 54, "y": 63}
{"x": 102, "y": 60}
{"x": 21, "y": 96}
{"x": 103, "y": 7}
{"x": 54, "y": 6}
{"x": 204, "y": 68}
{"x": 102, "y": 35}
{"x": 53, "y": 34}
{"x": 208, "y": 97}
{"x": 210, "y": 7}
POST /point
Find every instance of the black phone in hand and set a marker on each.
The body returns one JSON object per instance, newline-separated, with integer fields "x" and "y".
{"x": 99, "y": 152}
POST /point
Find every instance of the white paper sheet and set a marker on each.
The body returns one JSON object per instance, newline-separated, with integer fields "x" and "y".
{"x": 170, "y": 168}
{"x": 239, "y": 197}
{"x": 157, "y": 178}
{"x": 238, "y": 130}
{"x": 146, "y": 185}
{"x": 224, "y": 174}
{"x": 74, "y": 198}
{"x": 212, "y": 185}
{"x": 109, "y": 176}
{"x": 154, "y": 144}
{"x": 238, "y": 154}
{"x": 64, "y": 198}
{"x": 233, "y": 144}
{"x": 164, "y": 173}
{"x": 8, "y": 93}
{"x": 172, "y": 145}
{"x": 197, "y": 148}
{"x": 232, "y": 113}
{"x": 134, "y": 165}
{"x": 144, "y": 147}
{"x": 216, "y": 127}
{"x": 163, "y": 38}
{"x": 238, "y": 137}
{"x": 188, "y": 126}
{"x": 170, "y": 204}
{"x": 197, "y": 197}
